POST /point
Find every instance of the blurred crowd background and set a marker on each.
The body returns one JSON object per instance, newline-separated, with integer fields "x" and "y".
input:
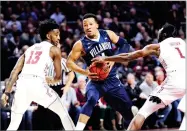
{"x": 138, "y": 22}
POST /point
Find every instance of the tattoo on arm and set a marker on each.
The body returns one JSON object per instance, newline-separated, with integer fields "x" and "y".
{"x": 14, "y": 74}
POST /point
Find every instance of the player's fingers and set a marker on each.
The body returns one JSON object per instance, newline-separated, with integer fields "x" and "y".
{"x": 94, "y": 59}
{"x": 94, "y": 77}
{"x": 93, "y": 74}
{"x": 97, "y": 61}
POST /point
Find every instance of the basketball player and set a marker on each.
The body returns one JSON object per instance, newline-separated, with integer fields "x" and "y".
{"x": 54, "y": 123}
{"x": 95, "y": 43}
{"x": 171, "y": 54}
{"x": 32, "y": 84}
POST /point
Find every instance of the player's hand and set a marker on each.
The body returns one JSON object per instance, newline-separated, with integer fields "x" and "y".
{"x": 98, "y": 59}
{"x": 4, "y": 99}
{"x": 51, "y": 81}
{"x": 77, "y": 103}
{"x": 92, "y": 76}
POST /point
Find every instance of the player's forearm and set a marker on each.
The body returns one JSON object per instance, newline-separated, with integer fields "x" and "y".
{"x": 71, "y": 65}
{"x": 125, "y": 57}
{"x": 117, "y": 58}
{"x": 71, "y": 76}
{"x": 12, "y": 79}
{"x": 14, "y": 74}
{"x": 57, "y": 78}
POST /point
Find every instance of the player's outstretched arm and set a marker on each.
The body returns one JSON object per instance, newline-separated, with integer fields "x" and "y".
{"x": 14, "y": 74}
{"x": 152, "y": 49}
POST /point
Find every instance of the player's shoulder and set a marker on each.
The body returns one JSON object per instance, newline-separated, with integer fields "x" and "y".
{"x": 109, "y": 31}
{"x": 102, "y": 30}
{"x": 55, "y": 50}
{"x": 78, "y": 44}
{"x": 172, "y": 40}
{"x": 30, "y": 48}
{"x": 166, "y": 41}
{"x": 179, "y": 40}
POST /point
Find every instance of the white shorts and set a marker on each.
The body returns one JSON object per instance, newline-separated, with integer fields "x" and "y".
{"x": 30, "y": 88}
{"x": 182, "y": 103}
{"x": 169, "y": 91}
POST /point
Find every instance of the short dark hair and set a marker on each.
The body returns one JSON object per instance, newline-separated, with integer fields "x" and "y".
{"x": 167, "y": 30}
{"x": 90, "y": 15}
{"x": 46, "y": 26}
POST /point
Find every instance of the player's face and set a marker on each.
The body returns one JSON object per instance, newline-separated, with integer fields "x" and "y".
{"x": 54, "y": 36}
{"x": 90, "y": 27}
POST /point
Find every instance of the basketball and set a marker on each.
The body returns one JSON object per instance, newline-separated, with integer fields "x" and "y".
{"x": 102, "y": 69}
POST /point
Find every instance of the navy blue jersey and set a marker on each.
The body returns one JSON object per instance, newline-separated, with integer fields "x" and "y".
{"x": 104, "y": 47}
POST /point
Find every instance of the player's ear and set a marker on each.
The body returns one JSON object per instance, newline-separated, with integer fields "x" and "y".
{"x": 47, "y": 35}
{"x": 164, "y": 34}
{"x": 97, "y": 25}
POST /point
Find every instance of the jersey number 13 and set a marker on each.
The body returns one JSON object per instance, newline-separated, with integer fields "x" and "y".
{"x": 34, "y": 57}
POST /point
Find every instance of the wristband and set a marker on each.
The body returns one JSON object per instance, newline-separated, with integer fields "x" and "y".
{"x": 8, "y": 94}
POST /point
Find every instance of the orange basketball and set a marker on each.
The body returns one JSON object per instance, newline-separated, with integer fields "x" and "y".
{"x": 102, "y": 69}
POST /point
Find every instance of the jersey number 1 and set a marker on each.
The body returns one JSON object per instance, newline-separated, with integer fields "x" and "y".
{"x": 36, "y": 58}
{"x": 180, "y": 53}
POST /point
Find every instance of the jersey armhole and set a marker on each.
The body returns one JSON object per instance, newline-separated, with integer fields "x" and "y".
{"x": 50, "y": 52}
{"x": 83, "y": 49}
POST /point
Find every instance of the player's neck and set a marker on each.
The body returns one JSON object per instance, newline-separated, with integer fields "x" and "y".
{"x": 95, "y": 37}
{"x": 48, "y": 41}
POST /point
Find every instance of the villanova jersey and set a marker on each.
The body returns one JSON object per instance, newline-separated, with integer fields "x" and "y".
{"x": 102, "y": 47}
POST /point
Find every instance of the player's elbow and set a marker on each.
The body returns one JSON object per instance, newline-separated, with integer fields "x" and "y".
{"x": 71, "y": 74}
{"x": 141, "y": 53}
{"x": 69, "y": 63}
{"x": 58, "y": 76}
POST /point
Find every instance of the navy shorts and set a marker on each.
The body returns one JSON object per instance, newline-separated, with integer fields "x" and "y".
{"x": 114, "y": 94}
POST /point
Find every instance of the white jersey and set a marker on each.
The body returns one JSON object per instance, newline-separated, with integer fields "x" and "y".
{"x": 37, "y": 59}
{"x": 172, "y": 58}
{"x": 172, "y": 55}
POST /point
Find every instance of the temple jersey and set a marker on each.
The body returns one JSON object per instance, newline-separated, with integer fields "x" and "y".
{"x": 31, "y": 85}
{"x": 172, "y": 57}
{"x": 172, "y": 54}
{"x": 37, "y": 59}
